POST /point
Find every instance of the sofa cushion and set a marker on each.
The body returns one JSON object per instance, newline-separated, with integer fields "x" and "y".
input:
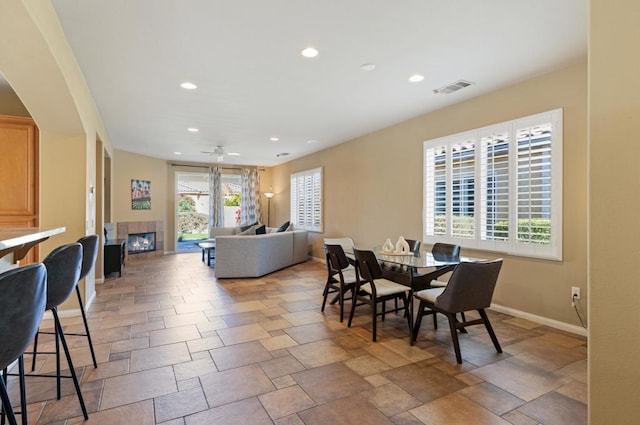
{"x": 283, "y": 227}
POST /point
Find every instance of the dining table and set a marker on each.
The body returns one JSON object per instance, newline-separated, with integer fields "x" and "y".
{"x": 413, "y": 262}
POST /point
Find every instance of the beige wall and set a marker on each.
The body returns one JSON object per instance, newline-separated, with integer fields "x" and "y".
{"x": 129, "y": 166}
{"x": 614, "y": 111}
{"x": 37, "y": 61}
{"x": 373, "y": 186}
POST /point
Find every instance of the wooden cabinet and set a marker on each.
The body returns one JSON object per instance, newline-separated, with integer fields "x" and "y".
{"x": 19, "y": 191}
{"x": 114, "y": 256}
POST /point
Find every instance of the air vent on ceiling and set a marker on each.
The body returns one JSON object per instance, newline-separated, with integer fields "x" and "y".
{"x": 282, "y": 154}
{"x": 450, "y": 88}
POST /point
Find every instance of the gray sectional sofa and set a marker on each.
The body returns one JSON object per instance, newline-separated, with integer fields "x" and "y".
{"x": 257, "y": 255}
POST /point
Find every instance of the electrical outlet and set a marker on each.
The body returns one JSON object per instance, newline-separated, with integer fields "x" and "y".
{"x": 575, "y": 293}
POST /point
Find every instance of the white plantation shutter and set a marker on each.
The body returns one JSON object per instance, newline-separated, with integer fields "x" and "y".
{"x": 306, "y": 200}
{"x": 494, "y": 189}
{"x": 497, "y": 188}
{"x": 463, "y": 189}
{"x": 534, "y": 181}
{"x": 435, "y": 174}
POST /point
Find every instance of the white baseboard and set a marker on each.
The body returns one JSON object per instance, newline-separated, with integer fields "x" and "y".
{"x": 578, "y": 330}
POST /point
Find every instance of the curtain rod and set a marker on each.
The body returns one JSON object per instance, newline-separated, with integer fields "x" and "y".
{"x": 173, "y": 164}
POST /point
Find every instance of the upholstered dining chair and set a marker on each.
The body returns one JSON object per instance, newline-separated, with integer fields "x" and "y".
{"x": 470, "y": 287}
{"x": 347, "y": 246}
{"x": 342, "y": 277}
{"x": 443, "y": 251}
{"x": 64, "y": 265}
{"x": 22, "y": 304}
{"x": 372, "y": 289}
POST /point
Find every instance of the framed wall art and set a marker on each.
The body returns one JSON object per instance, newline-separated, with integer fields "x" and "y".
{"x": 140, "y": 195}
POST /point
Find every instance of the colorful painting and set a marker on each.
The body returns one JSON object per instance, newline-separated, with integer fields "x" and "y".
{"x": 140, "y": 195}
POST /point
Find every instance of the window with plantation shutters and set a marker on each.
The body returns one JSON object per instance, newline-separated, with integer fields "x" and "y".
{"x": 497, "y": 188}
{"x": 306, "y": 200}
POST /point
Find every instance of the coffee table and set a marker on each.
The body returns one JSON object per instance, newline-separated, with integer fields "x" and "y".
{"x": 208, "y": 251}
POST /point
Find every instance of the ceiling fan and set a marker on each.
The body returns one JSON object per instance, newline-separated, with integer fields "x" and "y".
{"x": 218, "y": 152}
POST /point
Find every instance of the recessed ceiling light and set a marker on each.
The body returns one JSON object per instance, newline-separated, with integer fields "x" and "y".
{"x": 309, "y": 52}
{"x": 177, "y": 153}
{"x": 188, "y": 85}
{"x": 233, "y": 154}
{"x": 311, "y": 141}
{"x": 368, "y": 66}
{"x": 274, "y": 139}
{"x": 416, "y": 78}
{"x": 193, "y": 129}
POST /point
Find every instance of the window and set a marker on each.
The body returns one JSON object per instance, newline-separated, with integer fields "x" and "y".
{"x": 306, "y": 200}
{"x": 498, "y": 188}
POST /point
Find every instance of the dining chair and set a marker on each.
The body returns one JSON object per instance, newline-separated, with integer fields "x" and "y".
{"x": 372, "y": 289}
{"x": 443, "y": 251}
{"x": 22, "y": 304}
{"x": 470, "y": 288}
{"x": 63, "y": 265}
{"x": 342, "y": 278}
{"x": 347, "y": 246}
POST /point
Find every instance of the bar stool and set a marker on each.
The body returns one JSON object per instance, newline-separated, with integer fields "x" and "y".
{"x": 89, "y": 254}
{"x": 22, "y": 304}
{"x": 63, "y": 270}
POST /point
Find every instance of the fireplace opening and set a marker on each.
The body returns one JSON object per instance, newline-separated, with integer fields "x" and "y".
{"x": 141, "y": 242}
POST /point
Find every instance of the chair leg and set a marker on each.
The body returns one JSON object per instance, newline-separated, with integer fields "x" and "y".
{"x": 4, "y": 381}
{"x": 375, "y": 320}
{"x": 325, "y": 294}
{"x": 86, "y": 327}
{"x": 341, "y": 301}
{"x": 416, "y": 326}
{"x": 354, "y": 299}
{"x": 23, "y": 391}
{"x": 56, "y": 319}
{"x": 435, "y": 320}
{"x": 384, "y": 308}
{"x": 35, "y": 352}
{"x": 454, "y": 336}
{"x": 492, "y": 334}
{"x": 58, "y": 382}
{"x": 407, "y": 312}
{"x": 6, "y": 403}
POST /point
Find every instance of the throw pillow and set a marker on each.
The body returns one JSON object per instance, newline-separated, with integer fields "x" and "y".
{"x": 290, "y": 228}
{"x": 247, "y": 226}
{"x": 283, "y": 227}
{"x": 262, "y": 230}
{"x": 250, "y": 231}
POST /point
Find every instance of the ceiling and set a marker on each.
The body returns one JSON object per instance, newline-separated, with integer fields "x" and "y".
{"x": 253, "y": 84}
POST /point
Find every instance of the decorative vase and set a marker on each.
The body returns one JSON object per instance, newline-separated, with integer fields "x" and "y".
{"x": 388, "y": 246}
{"x": 402, "y": 246}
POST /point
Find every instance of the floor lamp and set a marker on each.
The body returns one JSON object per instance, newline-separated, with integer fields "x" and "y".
{"x": 269, "y": 195}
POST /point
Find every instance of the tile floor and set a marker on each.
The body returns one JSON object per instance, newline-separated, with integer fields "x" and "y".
{"x": 177, "y": 347}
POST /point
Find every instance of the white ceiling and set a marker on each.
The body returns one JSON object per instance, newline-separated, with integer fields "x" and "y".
{"x": 253, "y": 84}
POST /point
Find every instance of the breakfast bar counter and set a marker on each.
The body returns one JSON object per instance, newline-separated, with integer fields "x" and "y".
{"x": 19, "y": 240}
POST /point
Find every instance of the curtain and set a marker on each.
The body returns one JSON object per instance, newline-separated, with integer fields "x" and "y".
{"x": 216, "y": 206}
{"x": 250, "y": 210}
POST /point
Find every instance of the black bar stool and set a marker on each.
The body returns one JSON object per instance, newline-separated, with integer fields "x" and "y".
{"x": 22, "y": 304}
{"x": 89, "y": 254}
{"x": 63, "y": 270}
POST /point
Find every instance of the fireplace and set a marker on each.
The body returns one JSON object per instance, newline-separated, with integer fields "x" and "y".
{"x": 141, "y": 242}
